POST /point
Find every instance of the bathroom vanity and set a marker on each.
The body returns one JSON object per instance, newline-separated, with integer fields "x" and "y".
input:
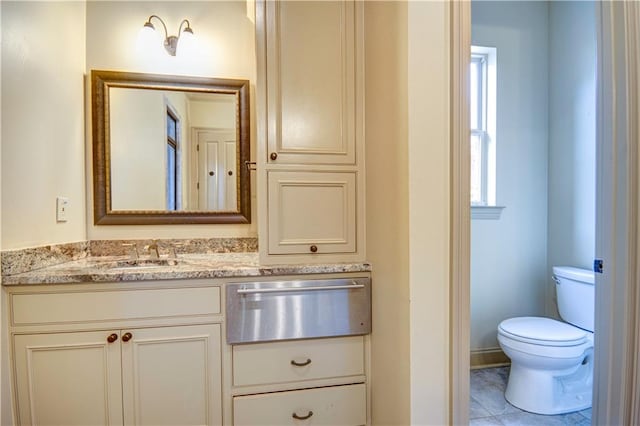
{"x": 98, "y": 344}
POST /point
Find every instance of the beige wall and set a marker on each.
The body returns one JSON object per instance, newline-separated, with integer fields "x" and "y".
{"x": 429, "y": 210}
{"x": 138, "y": 153}
{"x": 43, "y": 63}
{"x": 407, "y": 162}
{"x": 387, "y": 207}
{"x": 226, "y": 49}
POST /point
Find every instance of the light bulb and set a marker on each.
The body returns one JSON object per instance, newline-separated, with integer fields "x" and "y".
{"x": 149, "y": 40}
{"x": 187, "y": 44}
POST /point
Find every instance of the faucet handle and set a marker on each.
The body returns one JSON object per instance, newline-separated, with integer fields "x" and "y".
{"x": 152, "y": 249}
{"x": 174, "y": 253}
{"x": 133, "y": 250}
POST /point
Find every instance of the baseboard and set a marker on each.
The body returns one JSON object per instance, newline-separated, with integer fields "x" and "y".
{"x": 484, "y": 358}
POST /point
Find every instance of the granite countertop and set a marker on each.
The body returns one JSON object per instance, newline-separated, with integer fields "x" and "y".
{"x": 188, "y": 266}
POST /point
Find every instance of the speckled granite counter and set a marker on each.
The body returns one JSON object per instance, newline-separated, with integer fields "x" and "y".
{"x": 218, "y": 265}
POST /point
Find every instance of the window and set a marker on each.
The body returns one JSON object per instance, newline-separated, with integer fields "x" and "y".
{"x": 172, "y": 160}
{"x": 482, "y": 114}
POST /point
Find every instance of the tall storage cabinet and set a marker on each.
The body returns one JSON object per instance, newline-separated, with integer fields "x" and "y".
{"x": 310, "y": 127}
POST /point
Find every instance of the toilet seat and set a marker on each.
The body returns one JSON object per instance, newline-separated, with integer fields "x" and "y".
{"x": 542, "y": 331}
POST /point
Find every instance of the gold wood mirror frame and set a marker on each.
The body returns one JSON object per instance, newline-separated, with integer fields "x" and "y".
{"x": 102, "y": 82}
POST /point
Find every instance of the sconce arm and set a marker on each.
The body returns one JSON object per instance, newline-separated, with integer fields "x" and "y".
{"x": 166, "y": 33}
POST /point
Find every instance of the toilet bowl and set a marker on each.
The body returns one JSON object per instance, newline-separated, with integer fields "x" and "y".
{"x": 552, "y": 361}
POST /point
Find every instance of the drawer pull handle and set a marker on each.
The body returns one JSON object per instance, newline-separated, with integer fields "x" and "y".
{"x": 301, "y": 364}
{"x": 112, "y": 338}
{"x": 297, "y": 417}
{"x": 313, "y": 249}
{"x": 126, "y": 337}
{"x": 292, "y": 289}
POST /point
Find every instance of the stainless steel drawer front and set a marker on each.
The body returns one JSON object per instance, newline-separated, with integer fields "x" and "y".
{"x": 284, "y": 310}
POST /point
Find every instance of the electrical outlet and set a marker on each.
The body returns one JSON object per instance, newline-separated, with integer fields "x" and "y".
{"x": 62, "y": 208}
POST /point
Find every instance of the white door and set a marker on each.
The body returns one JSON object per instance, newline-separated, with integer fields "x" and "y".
{"x": 216, "y": 158}
{"x": 68, "y": 379}
{"x": 171, "y": 376}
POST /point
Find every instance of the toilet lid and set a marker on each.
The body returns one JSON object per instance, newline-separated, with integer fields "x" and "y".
{"x": 542, "y": 331}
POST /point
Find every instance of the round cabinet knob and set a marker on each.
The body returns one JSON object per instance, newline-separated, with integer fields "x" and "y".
{"x": 313, "y": 248}
{"x": 273, "y": 156}
{"x": 230, "y": 173}
{"x": 126, "y": 337}
{"x": 112, "y": 338}
{"x": 210, "y": 173}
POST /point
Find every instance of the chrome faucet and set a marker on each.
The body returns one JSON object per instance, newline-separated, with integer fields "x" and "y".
{"x": 133, "y": 250}
{"x": 153, "y": 249}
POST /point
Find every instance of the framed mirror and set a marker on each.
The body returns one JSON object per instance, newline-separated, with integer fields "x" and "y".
{"x": 169, "y": 149}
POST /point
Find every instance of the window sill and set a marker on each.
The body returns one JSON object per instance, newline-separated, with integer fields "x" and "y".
{"x": 486, "y": 212}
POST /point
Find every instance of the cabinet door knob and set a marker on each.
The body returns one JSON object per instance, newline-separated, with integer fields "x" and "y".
{"x": 126, "y": 337}
{"x": 297, "y": 417}
{"x": 273, "y": 156}
{"x": 313, "y": 248}
{"x": 112, "y": 338}
{"x": 301, "y": 364}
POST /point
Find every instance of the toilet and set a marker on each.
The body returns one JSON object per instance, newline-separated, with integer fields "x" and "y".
{"x": 552, "y": 361}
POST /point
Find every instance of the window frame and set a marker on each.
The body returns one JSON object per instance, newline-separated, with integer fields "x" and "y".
{"x": 486, "y": 109}
{"x": 174, "y": 143}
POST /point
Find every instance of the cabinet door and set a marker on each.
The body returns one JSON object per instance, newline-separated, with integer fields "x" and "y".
{"x": 312, "y": 212}
{"x": 172, "y": 376}
{"x": 312, "y": 81}
{"x": 68, "y": 379}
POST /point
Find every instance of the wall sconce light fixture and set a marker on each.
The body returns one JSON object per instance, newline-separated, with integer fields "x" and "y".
{"x": 185, "y": 35}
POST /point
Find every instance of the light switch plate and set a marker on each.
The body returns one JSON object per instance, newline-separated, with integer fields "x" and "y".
{"x": 62, "y": 208}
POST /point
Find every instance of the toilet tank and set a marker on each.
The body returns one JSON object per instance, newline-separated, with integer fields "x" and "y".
{"x": 575, "y": 291}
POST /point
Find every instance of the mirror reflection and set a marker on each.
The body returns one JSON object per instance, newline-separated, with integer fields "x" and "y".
{"x": 170, "y": 149}
{"x": 173, "y": 150}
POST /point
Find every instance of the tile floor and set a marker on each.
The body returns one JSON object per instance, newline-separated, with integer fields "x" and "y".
{"x": 488, "y": 406}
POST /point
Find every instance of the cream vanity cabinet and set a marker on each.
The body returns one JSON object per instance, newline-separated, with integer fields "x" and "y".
{"x": 322, "y": 381}
{"x": 300, "y": 351}
{"x": 96, "y": 355}
{"x": 310, "y": 130}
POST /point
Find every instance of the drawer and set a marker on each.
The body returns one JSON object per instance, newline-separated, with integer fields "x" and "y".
{"x": 335, "y": 406}
{"x": 83, "y": 306}
{"x": 269, "y": 363}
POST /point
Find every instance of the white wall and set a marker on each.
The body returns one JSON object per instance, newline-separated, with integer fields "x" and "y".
{"x": 226, "y": 49}
{"x": 572, "y": 138}
{"x": 43, "y": 64}
{"x": 509, "y": 256}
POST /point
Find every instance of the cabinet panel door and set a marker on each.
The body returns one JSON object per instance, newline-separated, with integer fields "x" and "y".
{"x": 311, "y": 81}
{"x": 335, "y": 406}
{"x": 171, "y": 376}
{"x": 312, "y": 212}
{"x": 68, "y": 379}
